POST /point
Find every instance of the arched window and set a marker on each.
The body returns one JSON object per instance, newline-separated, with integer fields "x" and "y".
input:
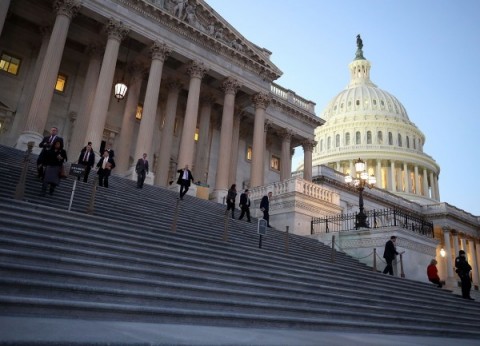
{"x": 369, "y": 137}
{"x": 390, "y": 138}
{"x": 321, "y": 145}
{"x": 329, "y": 142}
{"x": 358, "y": 138}
{"x": 408, "y": 142}
{"x": 399, "y": 140}
{"x": 414, "y": 143}
{"x": 347, "y": 138}
{"x": 337, "y": 140}
{"x": 380, "y": 137}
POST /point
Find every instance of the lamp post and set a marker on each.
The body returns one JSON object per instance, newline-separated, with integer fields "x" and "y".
{"x": 360, "y": 181}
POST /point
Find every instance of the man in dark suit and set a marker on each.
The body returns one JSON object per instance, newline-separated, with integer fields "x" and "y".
{"x": 245, "y": 205}
{"x": 46, "y": 144}
{"x": 265, "y": 206}
{"x": 142, "y": 170}
{"x": 87, "y": 159}
{"x": 105, "y": 166}
{"x": 389, "y": 254}
{"x": 184, "y": 179}
{"x": 463, "y": 271}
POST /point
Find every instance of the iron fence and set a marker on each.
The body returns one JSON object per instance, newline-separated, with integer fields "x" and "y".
{"x": 375, "y": 219}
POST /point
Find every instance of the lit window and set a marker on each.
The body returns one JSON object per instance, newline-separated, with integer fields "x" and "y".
{"x": 139, "y": 112}
{"x": 195, "y": 136}
{"x": 61, "y": 83}
{"x": 9, "y": 64}
{"x": 275, "y": 163}
{"x": 249, "y": 153}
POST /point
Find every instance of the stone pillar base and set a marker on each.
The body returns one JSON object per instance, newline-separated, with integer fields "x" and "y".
{"x": 26, "y": 137}
{"x": 451, "y": 283}
{"x": 219, "y": 196}
{"x": 131, "y": 174}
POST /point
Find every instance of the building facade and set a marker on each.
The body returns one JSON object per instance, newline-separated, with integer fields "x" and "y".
{"x": 199, "y": 93}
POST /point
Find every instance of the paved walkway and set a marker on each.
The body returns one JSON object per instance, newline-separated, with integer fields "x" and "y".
{"x": 51, "y": 331}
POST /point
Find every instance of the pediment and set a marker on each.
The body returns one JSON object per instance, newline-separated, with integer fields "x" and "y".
{"x": 197, "y": 21}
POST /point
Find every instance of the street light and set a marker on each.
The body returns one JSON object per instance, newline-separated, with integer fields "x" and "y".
{"x": 361, "y": 180}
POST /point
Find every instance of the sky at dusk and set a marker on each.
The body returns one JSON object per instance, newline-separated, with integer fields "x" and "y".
{"x": 424, "y": 52}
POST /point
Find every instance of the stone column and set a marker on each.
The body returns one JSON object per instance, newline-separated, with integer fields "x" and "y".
{"x": 161, "y": 177}
{"x": 79, "y": 135}
{"x": 378, "y": 174}
{"x": 30, "y": 84}
{"x": 406, "y": 178}
{"x": 42, "y": 97}
{"x": 352, "y": 168}
{"x": 260, "y": 102}
{"x": 437, "y": 190}
{"x": 473, "y": 260}
{"x": 432, "y": 187}
{"x": 392, "y": 177}
{"x": 103, "y": 93}
{"x": 290, "y": 158}
{"x": 307, "y": 159}
{"x": 124, "y": 142}
{"x": 285, "y": 171}
{"x": 4, "y": 5}
{"x": 455, "y": 243}
{"x": 230, "y": 86}
{"x": 477, "y": 253}
{"x": 425, "y": 183}
{"x": 417, "y": 181}
{"x": 159, "y": 52}
{"x": 234, "y": 150}
{"x": 267, "y": 126}
{"x": 463, "y": 241}
{"x": 203, "y": 150}
{"x": 185, "y": 156}
{"x": 448, "y": 253}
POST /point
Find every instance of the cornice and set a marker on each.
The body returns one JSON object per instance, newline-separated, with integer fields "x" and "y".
{"x": 295, "y": 111}
{"x": 248, "y": 57}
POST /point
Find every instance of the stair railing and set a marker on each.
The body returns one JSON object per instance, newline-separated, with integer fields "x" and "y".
{"x": 20, "y": 190}
{"x": 91, "y": 204}
{"x": 286, "y": 239}
{"x": 332, "y": 258}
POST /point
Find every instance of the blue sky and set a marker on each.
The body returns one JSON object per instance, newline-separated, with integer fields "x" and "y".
{"x": 425, "y": 52}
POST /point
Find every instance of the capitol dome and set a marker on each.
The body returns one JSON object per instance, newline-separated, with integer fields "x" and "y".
{"x": 364, "y": 121}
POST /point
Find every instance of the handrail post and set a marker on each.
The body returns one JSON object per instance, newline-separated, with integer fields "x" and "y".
{"x": 374, "y": 267}
{"x": 91, "y": 205}
{"x": 333, "y": 249}
{"x": 402, "y": 273}
{"x": 311, "y": 226}
{"x": 20, "y": 190}
{"x": 225, "y": 228}
{"x": 286, "y": 239}
{"x": 175, "y": 217}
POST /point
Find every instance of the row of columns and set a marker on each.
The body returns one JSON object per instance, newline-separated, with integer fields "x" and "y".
{"x": 399, "y": 178}
{"x": 452, "y": 247}
{"x": 96, "y": 95}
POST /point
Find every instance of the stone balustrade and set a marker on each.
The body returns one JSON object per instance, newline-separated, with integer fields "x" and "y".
{"x": 293, "y": 98}
{"x": 296, "y": 185}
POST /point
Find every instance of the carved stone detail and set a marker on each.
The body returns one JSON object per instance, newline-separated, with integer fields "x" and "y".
{"x": 95, "y": 50}
{"x": 308, "y": 145}
{"x": 230, "y": 85}
{"x": 174, "y": 85}
{"x": 267, "y": 125}
{"x": 197, "y": 69}
{"x": 68, "y": 8}
{"x": 116, "y": 29}
{"x": 261, "y": 100}
{"x": 286, "y": 134}
{"x": 159, "y": 51}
